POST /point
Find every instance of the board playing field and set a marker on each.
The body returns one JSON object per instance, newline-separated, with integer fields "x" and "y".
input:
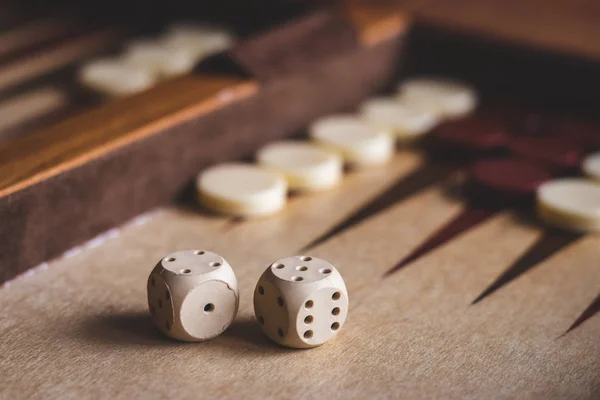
{"x": 449, "y": 298}
{"x": 79, "y": 325}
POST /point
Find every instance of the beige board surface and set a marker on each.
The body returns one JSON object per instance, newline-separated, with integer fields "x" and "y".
{"x": 81, "y": 329}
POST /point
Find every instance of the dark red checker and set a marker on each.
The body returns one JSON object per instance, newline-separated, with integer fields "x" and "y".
{"x": 529, "y": 124}
{"x": 548, "y": 151}
{"x": 509, "y": 176}
{"x": 473, "y": 134}
{"x": 586, "y": 134}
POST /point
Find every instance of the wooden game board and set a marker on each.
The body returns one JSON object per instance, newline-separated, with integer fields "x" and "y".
{"x": 227, "y": 106}
{"x": 77, "y": 326}
{"x": 80, "y": 327}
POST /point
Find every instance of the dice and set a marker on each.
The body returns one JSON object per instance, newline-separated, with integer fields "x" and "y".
{"x": 193, "y": 295}
{"x": 301, "y": 301}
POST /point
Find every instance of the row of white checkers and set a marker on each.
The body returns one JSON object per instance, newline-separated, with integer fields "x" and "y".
{"x": 146, "y": 61}
{"x": 573, "y": 203}
{"x": 367, "y": 138}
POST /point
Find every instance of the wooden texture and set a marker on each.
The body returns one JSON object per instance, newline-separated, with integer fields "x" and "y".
{"x": 40, "y": 184}
{"x": 566, "y": 27}
{"x": 376, "y": 23}
{"x": 48, "y": 60}
{"x": 35, "y": 32}
{"x": 458, "y": 322}
{"x": 95, "y": 171}
{"x": 78, "y": 140}
{"x": 20, "y": 109}
{"x": 81, "y": 327}
{"x": 295, "y": 45}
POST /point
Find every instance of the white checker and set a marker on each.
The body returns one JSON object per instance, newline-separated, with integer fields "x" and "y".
{"x": 360, "y": 143}
{"x": 591, "y": 166}
{"x": 305, "y": 166}
{"x": 403, "y": 119}
{"x": 165, "y": 61}
{"x": 115, "y": 78}
{"x": 198, "y": 40}
{"x": 444, "y": 96}
{"x": 570, "y": 203}
{"x": 242, "y": 190}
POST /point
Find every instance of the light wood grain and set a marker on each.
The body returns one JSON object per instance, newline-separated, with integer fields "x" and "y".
{"x": 81, "y": 139}
{"x": 61, "y": 145}
{"x": 81, "y": 327}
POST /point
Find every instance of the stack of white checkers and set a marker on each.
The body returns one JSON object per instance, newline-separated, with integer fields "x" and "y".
{"x": 573, "y": 203}
{"x": 363, "y": 140}
{"x": 146, "y": 61}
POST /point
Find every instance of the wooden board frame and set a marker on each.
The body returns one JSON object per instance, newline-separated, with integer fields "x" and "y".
{"x": 564, "y": 27}
{"x": 63, "y": 185}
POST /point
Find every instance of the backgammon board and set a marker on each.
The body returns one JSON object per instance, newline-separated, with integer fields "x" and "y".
{"x": 449, "y": 297}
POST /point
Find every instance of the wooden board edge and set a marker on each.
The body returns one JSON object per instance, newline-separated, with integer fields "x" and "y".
{"x": 543, "y": 26}
{"x": 50, "y": 152}
{"x": 77, "y": 171}
{"x": 376, "y": 23}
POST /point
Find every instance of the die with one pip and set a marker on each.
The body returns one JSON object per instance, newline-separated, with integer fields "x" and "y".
{"x": 193, "y": 295}
{"x": 301, "y": 301}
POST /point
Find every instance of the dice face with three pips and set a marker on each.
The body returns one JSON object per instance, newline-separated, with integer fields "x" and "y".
{"x": 193, "y": 295}
{"x": 301, "y": 301}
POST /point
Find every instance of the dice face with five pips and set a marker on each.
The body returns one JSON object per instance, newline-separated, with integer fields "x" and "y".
{"x": 301, "y": 301}
{"x": 193, "y": 295}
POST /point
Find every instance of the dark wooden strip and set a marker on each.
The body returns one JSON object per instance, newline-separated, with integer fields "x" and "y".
{"x": 295, "y": 45}
{"x": 551, "y": 242}
{"x": 300, "y": 41}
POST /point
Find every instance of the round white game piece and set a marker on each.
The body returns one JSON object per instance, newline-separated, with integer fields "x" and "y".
{"x": 305, "y": 166}
{"x": 115, "y": 78}
{"x": 448, "y": 97}
{"x": 242, "y": 190}
{"x": 402, "y": 119}
{"x": 591, "y": 166}
{"x": 192, "y": 295}
{"x": 301, "y": 301}
{"x": 570, "y": 203}
{"x": 360, "y": 143}
{"x": 165, "y": 61}
{"x": 198, "y": 40}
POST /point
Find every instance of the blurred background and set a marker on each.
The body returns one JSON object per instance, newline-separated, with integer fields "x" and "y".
{"x": 62, "y": 57}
